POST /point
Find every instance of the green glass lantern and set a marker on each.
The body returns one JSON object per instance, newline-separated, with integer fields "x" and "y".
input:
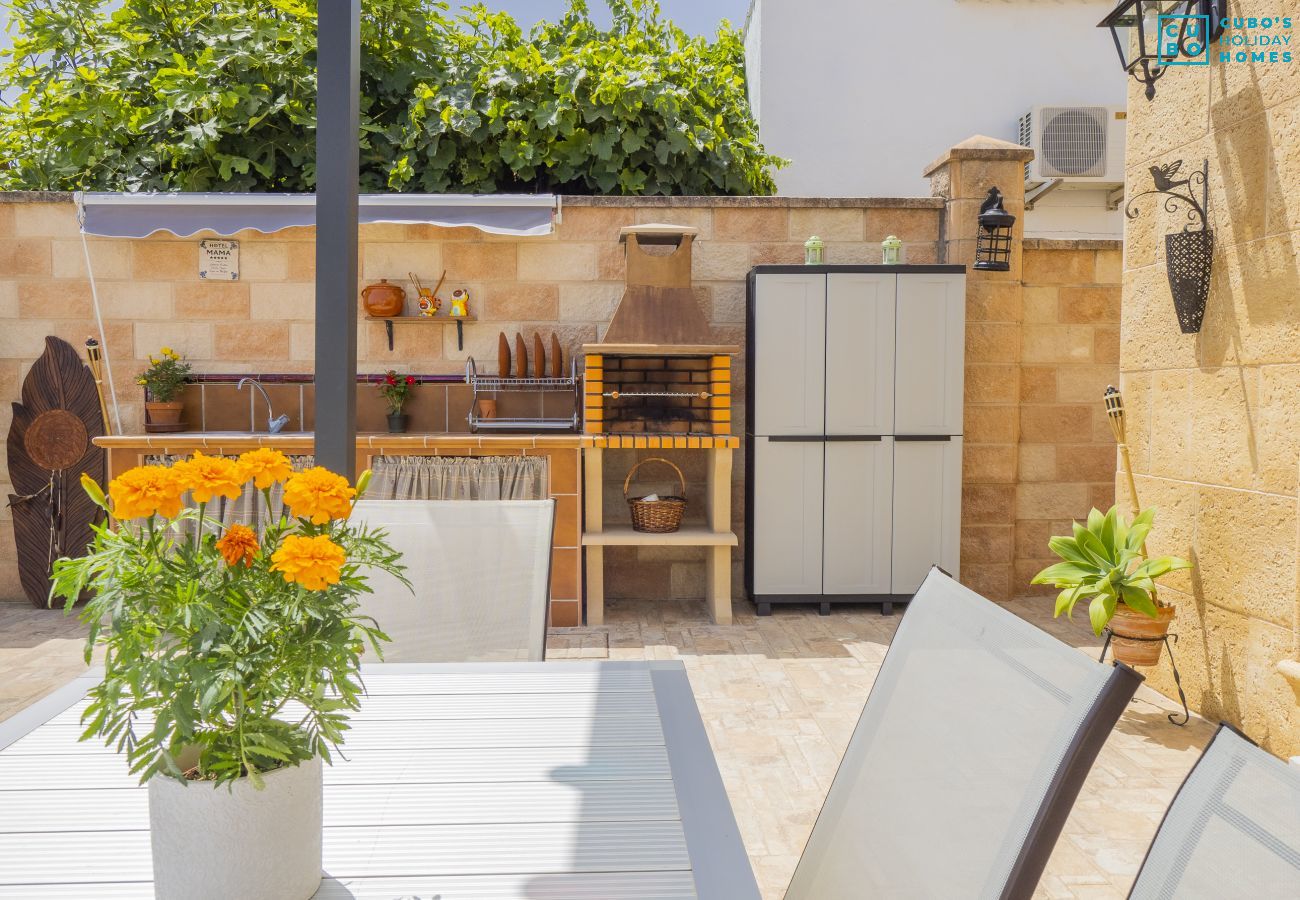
{"x": 891, "y": 251}
{"x": 814, "y": 251}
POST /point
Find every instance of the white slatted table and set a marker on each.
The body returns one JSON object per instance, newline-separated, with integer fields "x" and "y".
{"x": 485, "y": 781}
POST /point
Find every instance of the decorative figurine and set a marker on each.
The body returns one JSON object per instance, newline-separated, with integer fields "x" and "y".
{"x": 429, "y": 301}
{"x": 459, "y": 303}
{"x": 891, "y": 251}
{"x": 814, "y": 251}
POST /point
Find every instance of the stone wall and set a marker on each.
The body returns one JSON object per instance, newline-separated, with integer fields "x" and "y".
{"x": 1069, "y": 353}
{"x": 1215, "y": 416}
{"x": 568, "y": 282}
{"x": 1042, "y": 343}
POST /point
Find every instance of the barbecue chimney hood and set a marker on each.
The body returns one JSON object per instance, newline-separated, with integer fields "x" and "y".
{"x": 658, "y": 313}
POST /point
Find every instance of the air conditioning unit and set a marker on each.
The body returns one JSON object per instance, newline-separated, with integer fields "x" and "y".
{"x": 1081, "y": 146}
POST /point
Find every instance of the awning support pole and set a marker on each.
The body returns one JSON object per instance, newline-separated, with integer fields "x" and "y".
{"x": 338, "y": 88}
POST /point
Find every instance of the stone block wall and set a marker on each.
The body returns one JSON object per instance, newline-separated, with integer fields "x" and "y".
{"x": 1042, "y": 343}
{"x": 1069, "y": 353}
{"x": 568, "y": 282}
{"x": 1215, "y": 416}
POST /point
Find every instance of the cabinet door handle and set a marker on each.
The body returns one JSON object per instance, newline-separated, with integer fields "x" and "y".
{"x": 923, "y": 437}
{"x": 795, "y": 438}
{"x": 853, "y": 437}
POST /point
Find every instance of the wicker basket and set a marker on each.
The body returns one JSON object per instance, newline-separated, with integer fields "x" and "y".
{"x": 661, "y": 516}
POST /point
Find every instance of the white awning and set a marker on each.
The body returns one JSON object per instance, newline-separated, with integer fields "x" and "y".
{"x": 140, "y": 215}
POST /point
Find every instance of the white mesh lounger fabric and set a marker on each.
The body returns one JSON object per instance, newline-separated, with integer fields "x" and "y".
{"x": 1233, "y": 830}
{"x": 480, "y": 571}
{"x": 970, "y": 751}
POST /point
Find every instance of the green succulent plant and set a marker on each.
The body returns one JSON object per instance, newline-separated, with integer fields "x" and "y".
{"x": 1103, "y": 562}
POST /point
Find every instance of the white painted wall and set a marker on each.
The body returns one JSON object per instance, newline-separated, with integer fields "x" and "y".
{"x": 861, "y": 95}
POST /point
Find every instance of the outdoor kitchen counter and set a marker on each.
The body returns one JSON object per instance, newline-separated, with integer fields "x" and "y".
{"x": 298, "y": 440}
{"x": 563, "y": 453}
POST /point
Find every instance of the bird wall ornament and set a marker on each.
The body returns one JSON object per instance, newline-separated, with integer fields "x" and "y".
{"x": 1189, "y": 253}
{"x": 1178, "y": 192}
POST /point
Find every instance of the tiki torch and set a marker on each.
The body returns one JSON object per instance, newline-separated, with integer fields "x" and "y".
{"x": 97, "y": 370}
{"x": 1115, "y": 415}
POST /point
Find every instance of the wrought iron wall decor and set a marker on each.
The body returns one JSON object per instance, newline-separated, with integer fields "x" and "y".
{"x": 1189, "y": 254}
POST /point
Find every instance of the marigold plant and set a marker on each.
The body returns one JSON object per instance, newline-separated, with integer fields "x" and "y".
{"x": 240, "y": 645}
{"x": 166, "y": 376}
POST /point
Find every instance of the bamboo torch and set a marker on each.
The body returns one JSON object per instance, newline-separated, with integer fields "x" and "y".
{"x": 1115, "y": 415}
{"x": 97, "y": 370}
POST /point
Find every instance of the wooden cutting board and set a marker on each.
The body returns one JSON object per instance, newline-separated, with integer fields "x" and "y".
{"x": 503, "y": 355}
{"x": 521, "y": 356}
{"x": 557, "y": 358}
{"x": 539, "y": 356}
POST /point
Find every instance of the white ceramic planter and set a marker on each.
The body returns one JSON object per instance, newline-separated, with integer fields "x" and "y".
{"x": 236, "y": 841}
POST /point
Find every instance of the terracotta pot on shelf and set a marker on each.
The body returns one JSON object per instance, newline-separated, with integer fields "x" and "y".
{"x": 168, "y": 413}
{"x": 383, "y": 300}
{"x": 397, "y": 423}
{"x": 487, "y": 409}
{"x": 1136, "y": 637}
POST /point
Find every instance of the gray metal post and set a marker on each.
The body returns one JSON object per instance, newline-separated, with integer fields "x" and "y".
{"x": 338, "y": 97}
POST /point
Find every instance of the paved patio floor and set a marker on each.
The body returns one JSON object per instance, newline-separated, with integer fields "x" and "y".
{"x": 780, "y": 696}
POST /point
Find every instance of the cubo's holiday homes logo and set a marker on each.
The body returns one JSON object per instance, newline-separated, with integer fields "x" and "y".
{"x": 1193, "y": 40}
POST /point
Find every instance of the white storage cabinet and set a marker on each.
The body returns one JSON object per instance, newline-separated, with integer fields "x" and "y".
{"x": 853, "y": 444}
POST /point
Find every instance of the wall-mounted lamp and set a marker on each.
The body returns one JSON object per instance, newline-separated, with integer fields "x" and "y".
{"x": 1189, "y": 254}
{"x": 1147, "y": 45}
{"x": 993, "y": 243}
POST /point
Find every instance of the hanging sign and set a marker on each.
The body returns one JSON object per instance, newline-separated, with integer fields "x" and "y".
{"x": 219, "y": 260}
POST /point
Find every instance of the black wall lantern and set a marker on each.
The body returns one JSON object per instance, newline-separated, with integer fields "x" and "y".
{"x": 993, "y": 244}
{"x": 1188, "y": 253}
{"x": 1145, "y": 47}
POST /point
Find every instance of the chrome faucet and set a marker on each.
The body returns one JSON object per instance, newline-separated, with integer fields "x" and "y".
{"x": 274, "y": 424}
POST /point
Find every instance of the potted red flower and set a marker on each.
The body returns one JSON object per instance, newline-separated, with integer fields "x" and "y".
{"x": 396, "y": 390}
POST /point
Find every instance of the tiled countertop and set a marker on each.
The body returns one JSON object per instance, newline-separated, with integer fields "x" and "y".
{"x": 218, "y": 440}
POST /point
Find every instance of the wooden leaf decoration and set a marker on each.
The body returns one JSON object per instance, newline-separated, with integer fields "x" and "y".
{"x": 58, "y": 388}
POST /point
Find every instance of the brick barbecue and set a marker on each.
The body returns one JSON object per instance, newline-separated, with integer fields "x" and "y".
{"x": 657, "y": 371}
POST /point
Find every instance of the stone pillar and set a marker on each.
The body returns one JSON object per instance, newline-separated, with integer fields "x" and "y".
{"x": 962, "y": 177}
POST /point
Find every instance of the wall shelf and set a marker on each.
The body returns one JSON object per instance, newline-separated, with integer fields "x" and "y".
{"x": 425, "y": 320}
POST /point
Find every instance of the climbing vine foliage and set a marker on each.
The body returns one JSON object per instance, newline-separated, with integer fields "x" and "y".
{"x": 219, "y": 95}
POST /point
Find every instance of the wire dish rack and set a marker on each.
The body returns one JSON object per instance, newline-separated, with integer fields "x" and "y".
{"x": 489, "y": 386}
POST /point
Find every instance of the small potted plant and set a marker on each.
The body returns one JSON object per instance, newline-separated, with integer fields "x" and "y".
{"x": 396, "y": 390}
{"x": 163, "y": 382}
{"x": 232, "y": 662}
{"x": 1103, "y": 562}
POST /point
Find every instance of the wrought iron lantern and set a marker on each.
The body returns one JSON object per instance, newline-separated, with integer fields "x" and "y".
{"x": 1189, "y": 253}
{"x": 1147, "y": 45}
{"x": 993, "y": 244}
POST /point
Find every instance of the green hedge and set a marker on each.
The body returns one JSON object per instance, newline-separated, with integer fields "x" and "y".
{"x": 219, "y": 95}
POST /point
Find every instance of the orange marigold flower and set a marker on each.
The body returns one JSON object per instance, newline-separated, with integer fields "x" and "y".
{"x": 210, "y": 476}
{"x": 140, "y": 492}
{"x": 265, "y": 466}
{"x": 319, "y": 495}
{"x": 313, "y": 562}
{"x": 239, "y": 544}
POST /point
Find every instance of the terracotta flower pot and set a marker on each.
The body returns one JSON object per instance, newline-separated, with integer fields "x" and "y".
{"x": 164, "y": 413}
{"x": 487, "y": 409}
{"x": 397, "y": 423}
{"x": 1129, "y": 624}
